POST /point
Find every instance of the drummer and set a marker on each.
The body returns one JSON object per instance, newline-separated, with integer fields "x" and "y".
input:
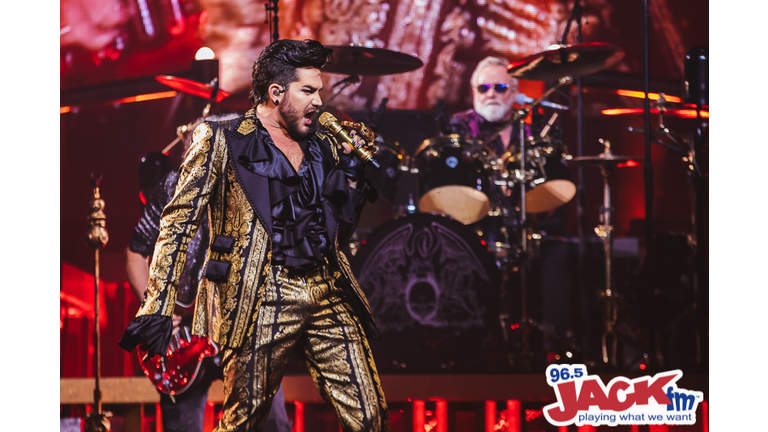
{"x": 494, "y": 93}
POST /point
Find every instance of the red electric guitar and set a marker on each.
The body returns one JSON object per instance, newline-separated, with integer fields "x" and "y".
{"x": 178, "y": 370}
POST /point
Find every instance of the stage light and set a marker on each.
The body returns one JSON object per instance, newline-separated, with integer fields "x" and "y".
{"x": 205, "y": 53}
{"x": 651, "y": 96}
{"x": 678, "y": 113}
{"x": 146, "y": 97}
{"x": 298, "y": 422}
{"x": 629, "y": 163}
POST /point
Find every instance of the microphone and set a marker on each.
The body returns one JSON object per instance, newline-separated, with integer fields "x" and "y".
{"x": 442, "y": 118}
{"x": 377, "y": 114}
{"x": 522, "y": 99}
{"x": 330, "y": 122}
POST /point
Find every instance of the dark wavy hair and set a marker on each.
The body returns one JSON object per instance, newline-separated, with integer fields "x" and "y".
{"x": 278, "y": 62}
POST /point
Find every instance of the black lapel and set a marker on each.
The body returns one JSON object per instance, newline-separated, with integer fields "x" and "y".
{"x": 331, "y": 223}
{"x": 255, "y": 187}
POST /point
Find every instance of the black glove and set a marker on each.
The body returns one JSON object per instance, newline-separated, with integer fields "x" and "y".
{"x": 351, "y": 166}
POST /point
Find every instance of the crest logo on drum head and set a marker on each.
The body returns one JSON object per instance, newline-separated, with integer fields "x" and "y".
{"x": 424, "y": 273}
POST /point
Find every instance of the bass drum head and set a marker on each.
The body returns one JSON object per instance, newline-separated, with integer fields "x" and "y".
{"x": 432, "y": 287}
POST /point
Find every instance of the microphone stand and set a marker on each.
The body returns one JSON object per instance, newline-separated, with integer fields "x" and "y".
{"x": 576, "y": 15}
{"x": 699, "y": 241}
{"x": 272, "y": 19}
{"x": 697, "y": 89}
{"x": 98, "y": 237}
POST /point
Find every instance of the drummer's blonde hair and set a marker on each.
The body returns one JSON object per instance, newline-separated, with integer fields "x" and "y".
{"x": 488, "y": 61}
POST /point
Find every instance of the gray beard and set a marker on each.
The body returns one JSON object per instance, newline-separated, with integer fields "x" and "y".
{"x": 493, "y": 112}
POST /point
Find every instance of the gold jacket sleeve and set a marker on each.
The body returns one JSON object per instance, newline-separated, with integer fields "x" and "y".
{"x": 198, "y": 176}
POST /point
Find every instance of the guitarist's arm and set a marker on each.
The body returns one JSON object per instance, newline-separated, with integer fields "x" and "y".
{"x": 137, "y": 269}
{"x": 142, "y": 243}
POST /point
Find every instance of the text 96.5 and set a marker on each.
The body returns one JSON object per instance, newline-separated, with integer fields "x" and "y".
{"x": 561, "y": 373}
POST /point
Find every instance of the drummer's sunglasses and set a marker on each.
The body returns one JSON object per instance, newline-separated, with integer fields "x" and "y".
{"x": 500, "y": 88}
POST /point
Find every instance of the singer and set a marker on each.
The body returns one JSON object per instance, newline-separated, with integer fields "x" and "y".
{"x": 281, "y": 199}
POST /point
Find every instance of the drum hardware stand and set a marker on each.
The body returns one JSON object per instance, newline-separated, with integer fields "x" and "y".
{"x": 523, "y": 242}
{"x": 604, "y": 231}
{"x": 98, "y": 237}
{"x": 346, "y": 82}
{"x": 183, "y": 130}
{"x": 648, "y": 165}
{"x": 523, "y": 177}
{"x": 214, "y": 92}
{"x": 609, "y": 335}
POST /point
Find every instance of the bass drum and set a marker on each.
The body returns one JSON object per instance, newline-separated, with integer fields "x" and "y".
{"x": 432, "y": 287}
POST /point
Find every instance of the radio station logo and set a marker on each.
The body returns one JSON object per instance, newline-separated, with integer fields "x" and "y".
{"x": 584, "y": 399}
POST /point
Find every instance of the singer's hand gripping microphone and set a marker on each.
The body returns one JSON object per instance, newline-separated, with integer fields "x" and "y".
{"x": 330, "y": 122}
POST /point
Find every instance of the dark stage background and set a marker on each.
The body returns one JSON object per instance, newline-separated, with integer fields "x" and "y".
{"x": 109, "y": 52}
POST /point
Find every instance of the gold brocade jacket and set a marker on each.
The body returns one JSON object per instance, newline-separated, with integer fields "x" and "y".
{"x": 239, "y": 214}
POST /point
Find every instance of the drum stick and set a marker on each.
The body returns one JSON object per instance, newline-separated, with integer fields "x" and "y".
{"x": 545, "y": 129}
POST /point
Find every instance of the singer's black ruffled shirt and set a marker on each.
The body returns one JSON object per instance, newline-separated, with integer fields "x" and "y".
{"x": 297, "y": 199}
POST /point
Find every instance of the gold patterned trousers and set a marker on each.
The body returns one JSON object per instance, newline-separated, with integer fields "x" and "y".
{"x": 303, "y": 311}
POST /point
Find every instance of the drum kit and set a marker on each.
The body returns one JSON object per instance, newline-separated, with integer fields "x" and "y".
{"x": 436, "y": 275}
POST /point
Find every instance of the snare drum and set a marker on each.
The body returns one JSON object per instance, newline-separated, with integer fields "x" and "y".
{"x": 551, "y": 185}
{"x": 455, "y": 178}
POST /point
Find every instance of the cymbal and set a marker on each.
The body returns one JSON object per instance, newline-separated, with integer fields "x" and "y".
{"x": 689, "y": 113}
{"x": 573, "y": 60}
{"x": 357, "y": 60}
{"x": 193, "y": 88}
{"x": 607, "y": 161}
